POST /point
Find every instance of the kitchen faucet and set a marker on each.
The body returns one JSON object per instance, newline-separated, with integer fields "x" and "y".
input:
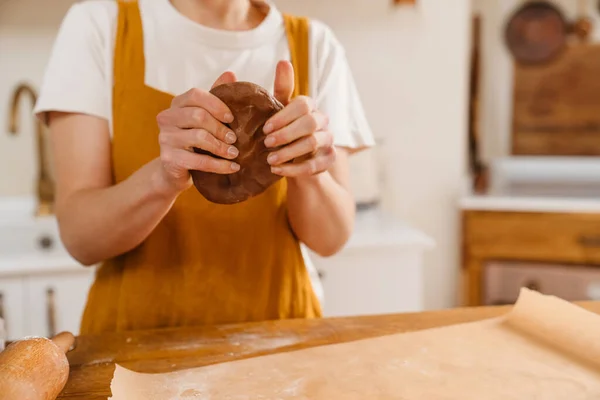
{"x": 45, "y": 185}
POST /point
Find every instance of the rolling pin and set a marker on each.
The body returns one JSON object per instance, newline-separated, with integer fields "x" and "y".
{"x": 35, "y": 368}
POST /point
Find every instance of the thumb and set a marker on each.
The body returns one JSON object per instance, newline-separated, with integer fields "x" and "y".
{"x": 284, "y": 82}
{"x": 226, "y": 77}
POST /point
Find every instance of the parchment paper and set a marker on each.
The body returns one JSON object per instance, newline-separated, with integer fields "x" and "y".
{"x": 544, "y": 348}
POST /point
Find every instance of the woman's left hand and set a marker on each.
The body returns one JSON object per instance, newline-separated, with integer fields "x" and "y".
{"x": 299, "y": 131}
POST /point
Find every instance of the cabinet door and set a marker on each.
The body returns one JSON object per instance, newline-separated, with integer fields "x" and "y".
{"x": 368, "y": 282}
{"x": 56, "y": 302}
{"x": 12, "y": 308}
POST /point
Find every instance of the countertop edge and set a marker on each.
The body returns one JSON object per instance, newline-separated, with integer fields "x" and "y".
{"x": 529, "y": 204}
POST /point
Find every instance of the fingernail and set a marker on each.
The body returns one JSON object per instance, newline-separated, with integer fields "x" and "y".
{"x": 230, "y": 138}
{"x": 232, "y": 151}
{"x": 268, "y": 128}
{"x": 228, "y": 117}
{"x": 269, "y": 141}
{"x": 276, "y": 170}
{"x": 235, "y": 166}
{"x": 272, "y": 158}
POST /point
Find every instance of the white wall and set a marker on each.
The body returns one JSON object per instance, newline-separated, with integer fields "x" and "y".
{"x": 497, "y": 70}
{"x": 27, "y": 31}
{"x": 411, "y": 66}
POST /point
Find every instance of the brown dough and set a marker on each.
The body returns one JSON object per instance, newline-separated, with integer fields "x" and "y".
{"x": 251, "y": 106}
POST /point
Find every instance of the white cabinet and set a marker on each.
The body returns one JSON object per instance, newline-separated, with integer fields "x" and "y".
{"x": 42, "y": 288}
{"x": 44, "y": 304}
{"x": 55, "y": 302}
{"x": 12, "y": 309}
{"x": 380, "y": 271}
{"x": 371, "y": 281}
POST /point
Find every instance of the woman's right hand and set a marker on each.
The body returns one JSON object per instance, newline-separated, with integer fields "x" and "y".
{"x": 196, "y": 119}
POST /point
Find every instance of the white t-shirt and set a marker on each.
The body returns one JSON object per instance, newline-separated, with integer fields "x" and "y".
{"x": 181, "y": 54}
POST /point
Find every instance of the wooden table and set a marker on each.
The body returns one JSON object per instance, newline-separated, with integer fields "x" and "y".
{"x": 93, "y": 360}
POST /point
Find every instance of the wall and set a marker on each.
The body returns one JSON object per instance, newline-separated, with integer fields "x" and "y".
{"x": 497, "y": 72}
{"x": 411, "y": 66}
{"x": 27, "y": 31}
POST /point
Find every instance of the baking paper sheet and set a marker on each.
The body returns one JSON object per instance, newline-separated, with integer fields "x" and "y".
{"x": 544, "y": 348}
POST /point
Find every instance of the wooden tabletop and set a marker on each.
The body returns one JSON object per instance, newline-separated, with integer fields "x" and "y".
{"x": 94, "y": 358}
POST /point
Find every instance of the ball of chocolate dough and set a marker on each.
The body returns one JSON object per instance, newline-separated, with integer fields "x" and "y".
{"x": 251, "y": 106}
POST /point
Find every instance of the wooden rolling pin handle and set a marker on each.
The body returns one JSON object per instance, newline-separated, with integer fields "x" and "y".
{"x": 35, "y": 368}
{"x": 64, "y": 341}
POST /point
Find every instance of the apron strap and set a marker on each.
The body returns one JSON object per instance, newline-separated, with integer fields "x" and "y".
{"x": 297, "y": 30}
{"x": 129, "y": 61}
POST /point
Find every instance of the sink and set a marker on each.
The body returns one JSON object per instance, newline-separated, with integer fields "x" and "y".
{"x": 29, "y": 243}
{"x": 16, "y": 208}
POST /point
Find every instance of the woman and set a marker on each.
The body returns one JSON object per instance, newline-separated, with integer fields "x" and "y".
{"x": 121, "y": 144}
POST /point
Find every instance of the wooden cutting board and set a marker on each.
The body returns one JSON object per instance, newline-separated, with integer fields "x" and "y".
{"x": 556, "y": 106}
{"x": 165, "y": 350}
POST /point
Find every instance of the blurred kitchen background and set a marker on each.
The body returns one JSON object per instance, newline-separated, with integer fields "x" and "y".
{"x": 486, "y": 177}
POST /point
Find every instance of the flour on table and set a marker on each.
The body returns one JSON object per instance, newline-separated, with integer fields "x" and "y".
{"x": 544, "y": 348}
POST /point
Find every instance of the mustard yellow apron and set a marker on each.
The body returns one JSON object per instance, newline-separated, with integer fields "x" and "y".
{"x": 204, "y": 263}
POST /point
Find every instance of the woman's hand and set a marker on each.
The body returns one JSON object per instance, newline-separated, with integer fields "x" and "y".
{"x": 196, "y": 119}
{"x": 300, "y": 130}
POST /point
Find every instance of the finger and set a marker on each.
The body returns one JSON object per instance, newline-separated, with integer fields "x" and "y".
{"x": 306, "y": 145}
{"x": 284, "y": 82}
{"x": 189, "y": 139}
{"x": 206, "y": 100}
{"x": 195, "y": 118}
{"x": 320, "y": 163}
{"x": 301, "y": 105}
{"x": 226, "y": 77}
{"x": 203, "y": 162}
{"x": 303, "y": 126}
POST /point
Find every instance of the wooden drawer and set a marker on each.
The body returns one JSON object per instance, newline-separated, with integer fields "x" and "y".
{"x": 504, "y": 280}
{"x": 554, "y": 237}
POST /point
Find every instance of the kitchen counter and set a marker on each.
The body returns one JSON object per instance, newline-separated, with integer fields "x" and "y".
{"x": 539, "y": 184}
{"x": 530, "y": 203}
{"x": 93, "y": 360}
{"x": 36, "y": 264}
{"x": 375, "y": 228}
